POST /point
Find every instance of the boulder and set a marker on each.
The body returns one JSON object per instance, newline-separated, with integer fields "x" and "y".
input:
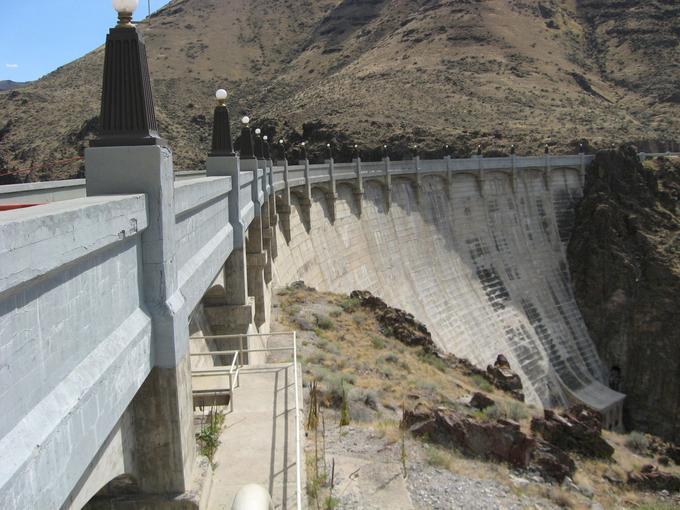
{"x": 504, "y": 378}
{"x": 551, "y": 461}
{"x": 650, "y": 478}
{"x": 578, "y": 430}
{"x": 481, "y": 401}
{"x": 501, "y": 440}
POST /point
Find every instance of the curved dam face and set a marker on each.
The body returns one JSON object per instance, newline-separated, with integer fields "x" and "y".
{"x": 486, "y": 273}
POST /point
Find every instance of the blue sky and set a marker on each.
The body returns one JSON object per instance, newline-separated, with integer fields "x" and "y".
{"x": 37, "y": 36}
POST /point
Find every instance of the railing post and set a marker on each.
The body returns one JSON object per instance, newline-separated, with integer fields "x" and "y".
{"x": 419, "y": 183}
{"x": 513, "y": 177}
{"x": 546, "y": 172}
{"x": 582, "y": 169}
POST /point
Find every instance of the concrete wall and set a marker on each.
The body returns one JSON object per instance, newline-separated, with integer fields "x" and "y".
{"x": 487, "y": 274}
{"x": 74, "y": 340}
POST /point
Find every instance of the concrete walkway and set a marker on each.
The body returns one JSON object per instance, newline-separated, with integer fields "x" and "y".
{"x": 258, "y": 440}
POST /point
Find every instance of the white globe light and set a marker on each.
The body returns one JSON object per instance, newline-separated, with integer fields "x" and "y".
{"x": 258, "y": 131}
{"x": 281, "y": 141}
{"x": 221, "y": 95}
{"x": 245, "y": 120}
{"x": 126, "y": 6}
{"x": 303, "y": 143}
{"x": 265, "y": 138}
{"x": 328, "y": 145}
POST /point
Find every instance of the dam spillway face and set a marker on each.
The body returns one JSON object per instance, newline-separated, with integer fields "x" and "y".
{"x": 481, "y": 264}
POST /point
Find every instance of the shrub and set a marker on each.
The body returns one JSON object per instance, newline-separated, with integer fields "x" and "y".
{"x": 637, "y": 442}
{"x": 482, "y": 383}
{"x": 437, "y": 458}
{"x": 349, "y": 304}
{"x": 324, "y": 322}
{"x": 335, "y": 313}
{"x": 359, "y": 318}
{"x": 377, "y": 342}
{"x": 389, "y": 358}
{"x": 433, "y": 360}
{"x": 505, "y": 410}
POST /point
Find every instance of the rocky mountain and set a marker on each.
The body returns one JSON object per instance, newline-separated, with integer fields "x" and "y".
{"x": 11, "y": 85}
{"x": 430, "y": 72}
{"x": 624, "y": 256}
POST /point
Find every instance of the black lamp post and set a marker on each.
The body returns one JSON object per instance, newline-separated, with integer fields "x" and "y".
{"x": 304, "y": 150}
{"x": 330, "y": 150}
{"x": 247, "y": 147}
{"x": 355, "y": 151}
{"x": 384, "y": 150}
{"x": 547, "y": 149}
{"x": 265, "y": 147}
{"x": 415, "y": 151}
{"x": 258, "y": 144}
{"x": 221, "y": 139}
{"x": 512, "y": 149}
{"x": 282, "y": 146}
{"x": 127, "y": 112}
{"x": 447, "y": 150}
{"x": 479, "y": 150}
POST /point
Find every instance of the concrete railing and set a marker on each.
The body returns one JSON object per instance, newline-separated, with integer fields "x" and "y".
{"x": 66, "y": 379}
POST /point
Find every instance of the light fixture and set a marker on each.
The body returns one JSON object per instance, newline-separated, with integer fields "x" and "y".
{"x": 281, "y": 141}
{"x": 328, "y": 145}
{"x": 265, "y": 138}
{"x": 258, "y": 131}
{"x": 221, "y": 96}
{"x": 125, "y": 8}
{"x": 245, "y": 120}
{"x": 303, "y": 143}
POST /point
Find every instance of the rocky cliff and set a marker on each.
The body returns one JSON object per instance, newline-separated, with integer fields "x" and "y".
{"x": 624, "y": 256}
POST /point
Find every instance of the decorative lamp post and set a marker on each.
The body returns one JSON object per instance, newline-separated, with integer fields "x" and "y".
{"x": 127, "y": 112}
{"x": 512, "y": 149}
{"x": 265, "y": 144}
{"x": 330, "y": 150}
{"x": 415, "y": 151}
{"x": 547, "y": 149}
{"x": 447, "y": 150}
{"x": 304, "y": 149}
{"x": 356, "y": 151}
{"x": 580, "y": 148}
{"x": 247, "y": 149}
{"x": 384, "y": 150}
{"x": 479, "y": 150}
{"x": 221, "y": 139}
{"x": 258, "y": 144}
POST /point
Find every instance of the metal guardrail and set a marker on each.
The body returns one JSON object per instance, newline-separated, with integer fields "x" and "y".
{"x": 234, "y": 371}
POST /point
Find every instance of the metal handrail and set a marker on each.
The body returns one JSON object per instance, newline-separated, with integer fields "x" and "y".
{"x": 238, "y": 353}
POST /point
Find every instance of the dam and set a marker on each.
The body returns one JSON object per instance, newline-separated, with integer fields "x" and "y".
{"x": 102, "y": 278}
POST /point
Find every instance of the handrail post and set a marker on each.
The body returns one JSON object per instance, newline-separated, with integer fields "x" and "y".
{"x": 388, "y": 183}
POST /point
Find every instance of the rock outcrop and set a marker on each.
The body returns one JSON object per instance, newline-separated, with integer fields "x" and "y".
{"x": 650, "y": 478}
{"x": 502, "y": 377}
{"x": 624, "y": 256}
{"x": 501, "y": 440}
{"x": 577, "y": 430}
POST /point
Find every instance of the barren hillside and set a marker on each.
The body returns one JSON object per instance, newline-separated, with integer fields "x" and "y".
{"x": 462, "y": 72}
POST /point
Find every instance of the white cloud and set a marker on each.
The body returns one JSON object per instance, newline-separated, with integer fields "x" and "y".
{"x": 12, "y": 66}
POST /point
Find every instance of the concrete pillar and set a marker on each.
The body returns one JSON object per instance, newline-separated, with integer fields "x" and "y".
{"x": 265, "y": 217}
{"x": 449, "y": 176}
{"x": 480, "y": 175}
{"x": 513, "y": 176}
{"x": 359, "y": 188}
{"x": 419, "y": 182}
{"x": 388, "y": 183}
{"x": 256, "y": 257}
{"x": 283, "y": 208}
{"x": 332, "y": 194}
{"x": 582, "y": 167}
{"x": 273, "y": 216}
{"x": 546, "y": 173}
{"x": 234, "y": 303}
{"x": 306, "y": 200}
{"x": 165, "y": 445}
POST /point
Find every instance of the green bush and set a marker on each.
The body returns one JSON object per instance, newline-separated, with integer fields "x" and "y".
{"x": 324, "y": 322}
{"x": 349, "y": 304}
{"x": 482, "y": 383}
{"x": 377, "y": 342}
{"x": 433, "y": 360}
{"x": 388, "y": 358}
{"x": 637, "y": 442}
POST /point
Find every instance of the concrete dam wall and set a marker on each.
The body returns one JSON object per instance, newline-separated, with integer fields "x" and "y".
{"x": 483, "y": 268}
